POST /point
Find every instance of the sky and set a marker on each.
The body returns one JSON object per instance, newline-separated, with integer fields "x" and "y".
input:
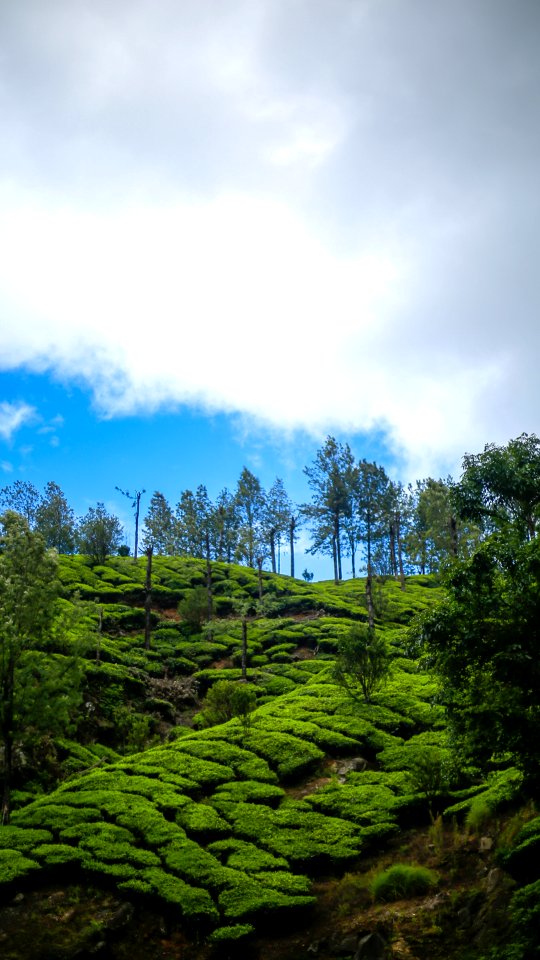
{"x": 229, "y": 229}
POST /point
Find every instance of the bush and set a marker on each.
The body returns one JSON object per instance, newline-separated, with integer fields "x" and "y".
{"x": 401, "y": 881}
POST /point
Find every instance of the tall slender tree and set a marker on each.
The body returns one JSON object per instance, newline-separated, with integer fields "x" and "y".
{"x": 28, "y": 588}
{"x": 225, "y": 527}
{"x": 159, "y": 530}
{"x": 250, "y": 505}
{"x": 277, "y": 517}
{"x": 331, "y": 478}
{"x": 22, "y": 497}
{"x": 373, "y": 485}
{"x": 55, "y": 519}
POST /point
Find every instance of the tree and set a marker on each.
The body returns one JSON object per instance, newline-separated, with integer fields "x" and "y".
{"x": 136, "y": 504}
{"x": 193, "y": 609}
{"x": 362, "y": 661}
{"x": 331, "y": 477}
{"x": 227, "y": 699}
{"x": 55, "y": 519}
{"x": 225, "y": 527}
{"x": 437, "y": 534}
{"x": 250, "y": 504}
{"x": 33, "y": 687}
{"x": 501, "y": 486}
{"x": 99, "y": 533}
{"x": 372, "y": 501}
{"x": 483, "y": 641}
{"x": 159, "y": 531}
{"x": 193, "y": 519}
{"x": 22, "y": 497}
{"x": 277, "y": 517}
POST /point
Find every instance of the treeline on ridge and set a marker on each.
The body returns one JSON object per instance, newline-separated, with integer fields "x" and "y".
{"x": 356, "y": 510}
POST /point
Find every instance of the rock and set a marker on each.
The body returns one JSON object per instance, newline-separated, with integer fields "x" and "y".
{"x": 355, "y": 765}
{"x": 346, "y": 946}
{"x": 464, "y": 916}
{"x": 371, "y": 947}
{"x": 493, "y": 879}
{"x": 121, "y": 917}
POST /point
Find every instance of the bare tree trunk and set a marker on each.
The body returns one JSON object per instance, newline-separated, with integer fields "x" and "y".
{"x": 369, "y": 602}
{"x": 369, "y": 581}
{"x": 453, "y": 537}
{"x": 259, "y": 571}
{"x": 99, "y": 634}
{"x": 338, "y": 548}
{"x": 137, "y": 508}
{"x": 209, "y": 595}
{"x": 392, "y": 542}
{"x": 7, "y": 736}
{"x": 273, "y": 549}
{"x": 291, "y": 535}
{"x": 148, "y": 599}
{"x": 244, "y": 648}
{"x": 400, "y": 553}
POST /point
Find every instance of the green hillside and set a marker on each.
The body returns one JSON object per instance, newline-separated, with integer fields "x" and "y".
{"x": 226, "y": 830}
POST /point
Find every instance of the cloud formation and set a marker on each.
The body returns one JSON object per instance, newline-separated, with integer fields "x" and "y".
{"x": 323, "y": 215}
{"x": 13, "y": 416}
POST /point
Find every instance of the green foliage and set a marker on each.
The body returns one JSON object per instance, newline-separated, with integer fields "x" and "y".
{"x": 362, "y": 661}
{"x": 99, "y": 534}
{"x": 238, "y": 931}
{"x": 193, "y": 609}
{"x": 37, "y": 693}
{"x": 14, "y": 866}
{"x": 523, "y": 859}
{"x": 227, "y": 699}
{"x": 402, "y": 881}
{"x": 484, "y": 641}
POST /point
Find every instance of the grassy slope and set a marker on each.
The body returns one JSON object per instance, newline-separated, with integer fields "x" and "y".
{"x": 227, "y": 828}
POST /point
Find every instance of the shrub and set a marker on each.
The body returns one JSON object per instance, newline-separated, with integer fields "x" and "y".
{"x": 14, "y": 866}
{"x": 237, "y": 931}
{"x": 401, "y": 881}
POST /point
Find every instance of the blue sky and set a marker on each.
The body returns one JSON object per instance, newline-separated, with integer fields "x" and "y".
{"x": 64, "y": 439}
{"x": 228, "y": 230}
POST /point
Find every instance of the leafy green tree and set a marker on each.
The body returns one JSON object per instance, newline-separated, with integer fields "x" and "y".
{"x": 55, "y": 519}
{"x": 362, "y": 662}
{"x": 331, "y": 478}
{"x": 193, "y": 609}
{"x": 227, "y": 699}
{"x": 250, "y": 506}
{"x": 34, "y": 687}
{"x": 225, "y": 527}
{"x": 373, "y": 490}
{"x": 99, "y": 534}
{"x": 501, "y": 486}
{"x": 194, "y": 519}
{"x": 159, "y": 526}
{"x": 484, "y": 641}
{"x": 399, "y": 520}
{"x": 278, "y": 511}
{"x": 22, "y": 497}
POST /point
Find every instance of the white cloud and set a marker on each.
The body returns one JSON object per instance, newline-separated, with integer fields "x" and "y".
{"x": 13, "y": 416}
{"x": 318, "y": 215}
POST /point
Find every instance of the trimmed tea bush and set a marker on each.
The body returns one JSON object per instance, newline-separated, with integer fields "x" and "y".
{"x": 402, "y": 881}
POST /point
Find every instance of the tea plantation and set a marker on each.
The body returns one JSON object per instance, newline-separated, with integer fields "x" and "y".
{"x": 226, "y": 827}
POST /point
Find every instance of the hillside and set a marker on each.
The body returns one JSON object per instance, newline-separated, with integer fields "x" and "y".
{"x": 147, "y": 828}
